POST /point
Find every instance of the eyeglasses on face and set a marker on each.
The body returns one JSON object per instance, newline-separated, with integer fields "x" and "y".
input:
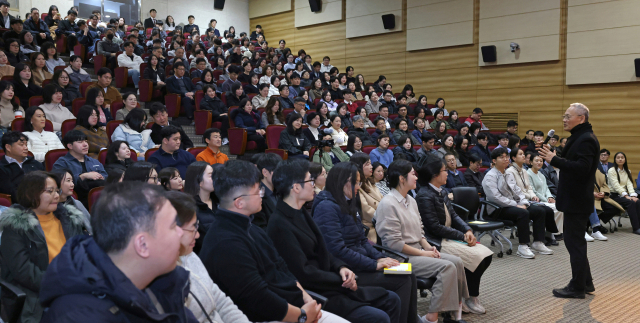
{"x": 261, "y": 193}
{"x": 312, "y": 181}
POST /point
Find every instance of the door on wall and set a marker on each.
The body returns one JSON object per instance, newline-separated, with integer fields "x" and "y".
{"x": 111, "y": 9}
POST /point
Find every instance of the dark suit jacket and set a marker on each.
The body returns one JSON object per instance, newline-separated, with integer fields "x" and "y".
{"x": 12, "y": 174}
{"x": 173, "y": 85}
{"x": 185, "y": 142}
{"x": 474, "y": 180}
{"x": 300, "y": 243}
{"x": 68, "y": 27}
{"x": 150, "y": 74}
{"x": 600, "y": 168}
{"x": 2, "y": 21}
{"x": 451, "y": 183}
{"x": 578, "y": 166}
{"x": 148, "y": 23}
{"x": 42, "y": 27}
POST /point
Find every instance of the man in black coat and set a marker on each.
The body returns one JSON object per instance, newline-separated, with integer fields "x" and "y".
{"x": 160, "y": 120}
{"x": 38, "y": 28}
{"x": 266, "y": 164}
{"x": 14, "y": 144}
{"x": 358, "y": 130}
{"x": 575, "y": 194}
{"x": 473, "y": 176}
{"x": 69, "y": 28}
{"x": 5, "y": 17}
{"x": 151, "y": 21}
{"x": 181, "y": 84}
{"x": 241, "y": 258}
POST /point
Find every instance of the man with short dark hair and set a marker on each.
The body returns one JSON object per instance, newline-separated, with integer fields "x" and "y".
{"x": 295, "y": 87}
{"x": 387, "y": 99}
{"x": 428, "y": 140}
{"x": 473, "y": 176}
{"x": 528, "y": 138}
{"x": 69, "y": 28}
{"x": 326, "y": 65}
{"x": 481, "y": 150}
{"x": 16, "y": 162}
{"x": 316, "y": 74}
{"x": 160, "y": 120}
{"x": 109, "y": 49}
{"x": 16, "y": 29}
{"x": 169, "y": 154}
{"x": 138, "y": 49}
{"x": 131, "y": 61}
{"x": 454, "y": 177}
{"x": 181, "y": 84}
{"x": 212, "y": 153}
{"x": 299, "y": 106}
{"x": 403, "y": 115}
{"x": 37, "y": 27}
{"x": 111, "y": 94}
{"x": 191, "y": 27}
{"x": 538, "y": 139}
{"x": 127, "y": 270}
{"x": 5, "y": 17}
{"x": 348, "y": 100}
{"x": 512, "y": 128}
{"x": 233, "y": 78}
{"x": 201, "y": 65}
{"x": 87, "y": 37}
{"x": 266, "y": 164}
{"x": 503, "y": 142}
{"x": 255, "y": 33}
{"x": 475, "y": 117}
{"x": 94, "y": 24}
{"x": 151, "y": 21}
{"x": 515, "y": 207}
{"x": 335, "y": 91}
{"x": 242, "y": 259}
{"x": 384, "y": 114}
{"x": 604, "y": 164}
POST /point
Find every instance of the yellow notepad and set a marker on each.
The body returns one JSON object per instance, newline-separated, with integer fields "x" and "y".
{"x": 401, "y": 269}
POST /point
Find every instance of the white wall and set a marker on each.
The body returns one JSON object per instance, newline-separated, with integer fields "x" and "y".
{"x": 235, "y": 13}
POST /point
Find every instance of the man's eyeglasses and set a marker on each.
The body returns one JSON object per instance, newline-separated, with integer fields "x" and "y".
{"x": 312, "y": 181}
{"x": 261, "y": 193}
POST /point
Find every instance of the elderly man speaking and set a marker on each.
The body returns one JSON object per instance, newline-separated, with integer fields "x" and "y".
{"x": 577, "y": 165}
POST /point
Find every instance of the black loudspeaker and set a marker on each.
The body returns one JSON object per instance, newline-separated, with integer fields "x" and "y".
{"x": 316, "y": 5}
{"x": 389, "y": 21}
{"x": 489, "y": 54}
{"x": 637, "y": 63}
{"x": 218, "y": 4}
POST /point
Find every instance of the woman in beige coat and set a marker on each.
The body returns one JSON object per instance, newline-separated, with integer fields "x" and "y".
{"x": 370, "y": 195}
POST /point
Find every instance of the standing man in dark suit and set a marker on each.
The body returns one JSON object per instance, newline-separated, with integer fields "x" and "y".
{"x": 182, "y": 85}
{"x": 151, "y": 21}
{"x": 604, "y": 164}
{"x": 575, "y": 194}
{"x": 5, "y": 17}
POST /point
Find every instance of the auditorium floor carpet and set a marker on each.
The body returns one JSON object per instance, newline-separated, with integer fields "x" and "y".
{"x": 515, "y": 289}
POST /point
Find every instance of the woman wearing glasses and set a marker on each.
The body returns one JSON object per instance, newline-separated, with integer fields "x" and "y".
{"x": 34, "y": 231}
{"x": 141, "y": 172}
{"x": 199, "y": 184}
{"x": 206, "y": 301}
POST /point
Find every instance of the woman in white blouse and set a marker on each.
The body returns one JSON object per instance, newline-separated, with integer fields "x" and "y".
{"x": 40, "y": 141}
{"x": 339, "y": 137}
{"x": 622, "y": 191}
{"x": 55, "y": 112}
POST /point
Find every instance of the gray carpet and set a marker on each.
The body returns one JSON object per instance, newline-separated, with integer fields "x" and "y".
{"x": 514, "y": 289}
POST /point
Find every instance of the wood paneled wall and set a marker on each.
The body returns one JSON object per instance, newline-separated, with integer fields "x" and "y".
{"x": 536, "y": 91}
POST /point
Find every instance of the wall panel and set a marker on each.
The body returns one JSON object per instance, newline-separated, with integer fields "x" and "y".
{"x": 331, "y": 11}
{"x": 372, "y": 24}
{"x": 612, "y": 14}
{"x": 498, "y": 8}
{"x": 381, "y": 44}
{"x": 521, "y": 76}
{"x": 525, "y": 25}
{"x": 440, "y": 36}
{"x": 605, "y": 69}
{"x": 259, "y": 8}
{"x": 533, "y": 49}
{"x": 440, "y": 24}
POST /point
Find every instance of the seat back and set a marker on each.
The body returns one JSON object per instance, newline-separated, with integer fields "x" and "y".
{"x": 83, "y": 88}
{"x": 367, "y": 149}
{"x": 149, "y": 152}
{"x": 273, "y": 135}
{"x": 36, "y": 100}
{"x": 172, "y": 103}
{"x": 18, "y": 125}
{"x": 199, "y": 96}
{"x": 51, "y": 157}
{"x": 468, "y": 198}
{"x": 115, "y": 106}
{"x": 5, "y": 200}
{"x": 94, "y": 194}
{"x": 77, "y": 104}
{"x": 67, "y": 126}
{"x": 111, "y": 127}
{"x": 196, "y": 150}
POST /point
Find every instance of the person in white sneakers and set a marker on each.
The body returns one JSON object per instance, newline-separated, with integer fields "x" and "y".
{"x": 132, "y": 61}
{"x": 514, "y": 207}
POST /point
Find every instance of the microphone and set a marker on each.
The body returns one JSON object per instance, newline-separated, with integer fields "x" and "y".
{"x": 549, "y": 135}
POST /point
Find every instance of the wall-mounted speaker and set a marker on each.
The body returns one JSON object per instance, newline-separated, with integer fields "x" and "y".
{"x": 218, "y": 4}
{"x": 637, "y": 63}
{"x": 488, "y": 53}
{"x": 316, "y": 5}
{"x": 389, "y": 21}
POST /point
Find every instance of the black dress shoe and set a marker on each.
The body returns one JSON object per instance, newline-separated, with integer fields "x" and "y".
{"x": 559, "y": 237}
{"x": 589, "y": 288}
{"x": 550, "y": 242}
{"x": 568, "y": 292}
{"x": 637, "y": 231}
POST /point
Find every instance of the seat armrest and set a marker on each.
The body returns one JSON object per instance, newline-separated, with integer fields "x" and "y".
{"x": 404, "y": 257}
{"x": 460, "y": 210}
{"x": 491, "y": 204}
{"x": 318, "y": 298}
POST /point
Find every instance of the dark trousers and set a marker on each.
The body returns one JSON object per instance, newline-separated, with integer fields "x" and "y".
{"x": 521, "y": 217}
{"x": 382, "y": 310}
{"x": 41, "y": 41}
{"x": 259, "y": 140}
{"x": 189, "y": 106}
{"x": 111, "y": 62}
{"x": 633, "y": 209}
{"x": 549, "y": 218}
{"x": 577, "y": 247}
{"x": 473, "y": 278}
{"x": 403, "y": 285}
{"x": 302, "y": 156}
{"x": 72, "y": 40}
{"x": 225, "y": 125}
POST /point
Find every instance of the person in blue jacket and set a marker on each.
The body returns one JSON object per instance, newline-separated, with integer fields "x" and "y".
{"x": 246, "y": 117}
{"x": 382, "y": 153}
{"x": 454, "y": 177}
{"x": 481, "y": 149}
{"x": 337, "y": 215}
{"x": 169, "y": 154}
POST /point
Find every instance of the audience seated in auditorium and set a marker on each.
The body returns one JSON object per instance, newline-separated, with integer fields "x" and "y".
{"x": 514, "y": 206}
{"x": 118, "y": 156}
{"x": 387, "y": 100}
{"x": 272, "y": 113}
{"x": 329, "y": 154}
{"x": 300, "y": 107}
{"x": 400, "y": 228}
{"x": 404, "y": 114}
{"x": 233, "y": 79}
{"x": 403, "y": 129}
{"x": 16, "y": 162}
{"x": 235, "y": 95}
{"x": 421, "y": 127}
{"x": 77, "y": 75}
{"x": 87, "y": 123}
{"x": 605, "y": 208}
{"x": 5, "y": 68}
{"x": 354, "y": 145}
{"x": 474, "y": 130}
{"x": 428, "y": 140}
{"x": 454, "y": 177}
{"x": 503, "y": 142}
{"x": 551, "y": 173}
{"x": 438, "y": 116}
{"x": 133, "y": 131}
{"x": 95, "y": 98}
{"x": 66, "y": 185}
{"x": 313, "y": 133}
{"x": 132, "y": 61}
{"x": 622, "y": 190}
{"x": 373, "y": 104}
{"x": 338, "y": 135}
{"x": 445, "y": 228}
{"x": 160, "y": 120}
{"x": 55, "y": 112}
{"x": 528, "y": 138}
{"x": 109, "y": 49}
{"x": 473, "y": 176}
{"x": 405, "y": 149}
{"x": 604, "y": 165}
{"x": 266, "y": 164}
{"x": 169, "y": 154}
{"x": 212, "y": 154}
{"x": 345, "y": 116}
{"x": 130, "y": 103}
{"x": 119, "y": 263}
{"x": 13, "y": 50}
{"x": 245, "y": 117}
{"x": 39, "y": 69}
{"x": 69, "y": 93}
{"x": 199, "y": 184}
{"x": 141, "y": 171}
{"x": 453, "y": 121}
{"x": 382, "y": 153}
{"x": 23, "y": 84}
{"x": 293, "y": 140}
{"x": 262, "y": 98}
{"x": 481, "y": 149}
{"x": 462, "y": 150}
{"x": 40, "y": 141}
{"x": 381, "y": 128}
{"x": 448, "y": 147}
{"x": 111, "y": 94}
{"x": 475, "y": 116}
{"x": 35, "y": 229}
{"x": 439, "y": 105}
{"x": 358, "y": 129}
{"x": 87, "y": 172}
{"x": 181, "y": 84}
